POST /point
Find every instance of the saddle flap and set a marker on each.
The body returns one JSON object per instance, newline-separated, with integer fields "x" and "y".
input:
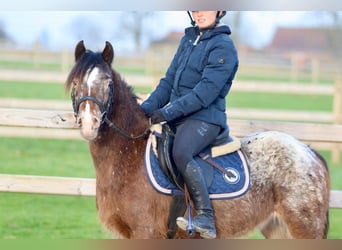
{"x": 164, "y": 149}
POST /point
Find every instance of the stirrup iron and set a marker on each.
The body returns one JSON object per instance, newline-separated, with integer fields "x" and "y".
{"x": 190, "y": 229}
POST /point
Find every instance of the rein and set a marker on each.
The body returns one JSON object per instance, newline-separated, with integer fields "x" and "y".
{"x": 124, "y": 134}
{"x": 105, "y": 110}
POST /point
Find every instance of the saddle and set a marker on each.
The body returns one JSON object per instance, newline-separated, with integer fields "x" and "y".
{"x": 164, "y": 137}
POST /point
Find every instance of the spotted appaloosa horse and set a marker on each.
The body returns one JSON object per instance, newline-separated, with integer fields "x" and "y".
{"x": 289, "y": 194}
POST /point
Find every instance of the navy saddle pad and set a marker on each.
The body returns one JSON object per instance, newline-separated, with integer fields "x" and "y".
{"x": 222, "y": 186}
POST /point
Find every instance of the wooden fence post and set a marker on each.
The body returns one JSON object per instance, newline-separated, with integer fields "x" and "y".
{"x": 294, "y": 68}
{"x": 337, "y": 116}
{"x": 35, "y": 55}
{"x": 337, "y": 102}
{"x": 315, "y": 65}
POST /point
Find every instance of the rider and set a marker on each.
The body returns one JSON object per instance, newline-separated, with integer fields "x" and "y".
{"x": 191, "y": 98}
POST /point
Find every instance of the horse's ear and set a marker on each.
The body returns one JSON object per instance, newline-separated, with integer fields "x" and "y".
{"x": 108, "y": 53}
{"x": 79, "y": 50}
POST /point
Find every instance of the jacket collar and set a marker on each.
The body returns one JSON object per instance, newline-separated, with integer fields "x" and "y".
{"x": 193, "y": 32}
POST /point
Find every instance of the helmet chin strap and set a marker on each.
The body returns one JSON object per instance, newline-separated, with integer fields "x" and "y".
{"x": 193, "y": 23}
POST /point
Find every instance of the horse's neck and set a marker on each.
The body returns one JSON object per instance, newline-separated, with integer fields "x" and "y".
{"x": 127, "y": 112}
{"x": 111, "y": 151}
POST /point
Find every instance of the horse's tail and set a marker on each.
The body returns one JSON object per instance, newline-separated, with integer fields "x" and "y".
{"x": 325, "y": 164}
{"x": 321, "y": 158}
{"x": 326, "y": 226}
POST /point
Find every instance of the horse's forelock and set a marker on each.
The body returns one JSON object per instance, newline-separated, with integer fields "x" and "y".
{"x": 88, "y": 61}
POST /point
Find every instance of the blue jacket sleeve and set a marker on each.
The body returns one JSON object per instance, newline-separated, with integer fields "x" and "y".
{"x": 161, "y": 95}
{"x": 217, "y": 74}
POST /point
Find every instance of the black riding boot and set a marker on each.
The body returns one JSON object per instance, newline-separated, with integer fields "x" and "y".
{"x": 204, "y": 221}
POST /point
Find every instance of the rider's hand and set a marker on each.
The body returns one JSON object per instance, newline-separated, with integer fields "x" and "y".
{"x": 157, "y": 117}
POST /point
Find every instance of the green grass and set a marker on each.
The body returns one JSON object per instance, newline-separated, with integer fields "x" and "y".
{"x": 46, "y": 216}
{"x": 45, "y": 157}
{"x": 264, "y": 76}
{"x": 29, "y": 65}
{"x": 30, "y": 90}
{"x": 33, "y": 216}
{"x": 279, "y": 101}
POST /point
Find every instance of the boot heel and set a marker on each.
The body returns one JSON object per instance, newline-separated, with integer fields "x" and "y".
{"x": 209, "y": 234}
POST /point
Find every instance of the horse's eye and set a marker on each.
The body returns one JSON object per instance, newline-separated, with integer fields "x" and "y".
{"x": 75, "y": 82}
{"x": 109, "y": 82}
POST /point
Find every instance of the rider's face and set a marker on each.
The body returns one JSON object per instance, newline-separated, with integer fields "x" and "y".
{"x": 204, "y": 19}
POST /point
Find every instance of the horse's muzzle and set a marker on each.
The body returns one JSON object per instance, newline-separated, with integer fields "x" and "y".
{"x": 89, "y": 124}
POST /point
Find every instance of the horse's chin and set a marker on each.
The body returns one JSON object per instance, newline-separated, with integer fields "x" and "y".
{"x": 89, "y": 135}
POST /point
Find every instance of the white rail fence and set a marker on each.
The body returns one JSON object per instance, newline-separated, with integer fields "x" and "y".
{"x": 60, "y": 125}
{"x": 332, "y": 117}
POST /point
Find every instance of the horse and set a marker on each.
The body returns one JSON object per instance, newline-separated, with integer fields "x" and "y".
{"x": 290, "y": 185}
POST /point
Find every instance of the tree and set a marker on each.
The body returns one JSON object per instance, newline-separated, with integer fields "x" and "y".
{"x": 234, "y": 20}
{"x": 335, "y": 34}
{"x": 3, "y": 34}
{"x": 135, "y": 24}
{"x": 336, "y": 17}
{"x": 5, "y": 39}
{"x": 85, "y": 27}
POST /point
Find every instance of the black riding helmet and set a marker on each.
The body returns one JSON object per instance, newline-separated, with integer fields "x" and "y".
{"x": 218, "y": 17}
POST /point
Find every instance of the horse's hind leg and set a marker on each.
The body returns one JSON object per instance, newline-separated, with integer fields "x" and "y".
{"x": 275, "y": 228}
{"x": 295, "y": 226}
{"x": 305, "y": 223}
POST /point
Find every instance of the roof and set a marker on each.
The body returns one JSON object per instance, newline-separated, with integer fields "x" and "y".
{"x": 307, "y": 40}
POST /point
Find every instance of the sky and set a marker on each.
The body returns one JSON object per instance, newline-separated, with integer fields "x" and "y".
{"x": 57, "y": 28}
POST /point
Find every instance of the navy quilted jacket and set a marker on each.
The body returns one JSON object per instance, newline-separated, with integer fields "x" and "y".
{"x": 198, "y": 79}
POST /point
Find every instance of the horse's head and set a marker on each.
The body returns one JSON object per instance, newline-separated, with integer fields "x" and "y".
{"x": 91, "y": 80}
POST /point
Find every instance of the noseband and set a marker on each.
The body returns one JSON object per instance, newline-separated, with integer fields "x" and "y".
{"x": 105, "y": 110}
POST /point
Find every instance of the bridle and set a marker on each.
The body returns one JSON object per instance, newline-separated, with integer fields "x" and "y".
{"x": 105, "y": 110}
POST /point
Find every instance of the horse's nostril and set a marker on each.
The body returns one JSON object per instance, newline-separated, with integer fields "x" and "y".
{"x": 96, "y": 121}
{"x": 79, "y": 121}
